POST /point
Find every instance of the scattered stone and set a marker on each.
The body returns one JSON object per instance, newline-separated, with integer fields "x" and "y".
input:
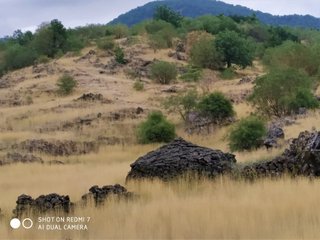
{"x": 302, "y": 158}
{"x": 246, "y": 79}
{"x": 58, "y": 148}
{"x": 100, "y": 195}
{"x": 172, "y": 89}
{"x": 92, "y": 97}
{"x": 274, "y": 133}
{"x": 181, "y": 157}
{"x": 26, "y": 205}
{"x": 55, "y": 162}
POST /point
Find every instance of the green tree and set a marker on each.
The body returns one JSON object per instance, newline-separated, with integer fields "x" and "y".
{"x": 183, "y": 103}
{"x": 204, "y": 54}
{"x": 119, "y": 56}
{"x": 164, "y": 13}
{"x": 234, "y": 49}
{"x": 247, "y": 134}
{"x": 216, "y": 107}
{"x": 155, "y": 129}
{"x": 282, "y": 91}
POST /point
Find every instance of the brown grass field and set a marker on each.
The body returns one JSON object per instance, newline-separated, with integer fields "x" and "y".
{"x": 221, "y": 209}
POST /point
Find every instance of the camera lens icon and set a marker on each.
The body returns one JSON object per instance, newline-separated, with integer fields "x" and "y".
{"x": 15, "y": 223}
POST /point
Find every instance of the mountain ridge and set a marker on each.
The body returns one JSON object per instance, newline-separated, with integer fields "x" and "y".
{"x": 191, "y": 8}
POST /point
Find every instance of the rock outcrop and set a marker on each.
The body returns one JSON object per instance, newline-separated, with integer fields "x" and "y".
{"x": 302, "y": 158}
{"x": 15, "y": 157}
{"x": 181, "y": 157}
{"x": 45, "y": 203}
{"x": 57, "y": 148}
{"x": 98, "y": 195}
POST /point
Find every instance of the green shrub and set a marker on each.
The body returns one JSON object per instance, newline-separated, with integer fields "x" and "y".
{"x": 282, "y": 91}
{"x": 106, "y": 44}
{"x": 138, "y": 85}
{"x": 17, "y": 57}
{"x": 156, "y": 129}
{"x": 163, "y": 72}
{"x": 228, "y": 74}
{"x": 66, "y": 84}
{"x": 43, "y": 59}
{"x": 247, "y": 134}
{"x": 192, "y": 75}
{"x": 303, "y": 99}
{"x": 119, "y": 56}
{"x": 216, "y": 107}
{"x": 118, "y": 31}
{"x": 183, "y": 103}
{"x": 203, "y": 54}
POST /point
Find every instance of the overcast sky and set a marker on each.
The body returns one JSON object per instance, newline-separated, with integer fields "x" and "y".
{"x": 28, "y": 14}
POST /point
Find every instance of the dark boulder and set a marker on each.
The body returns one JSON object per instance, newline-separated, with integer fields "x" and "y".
{"x": 181, "y": 157}
{"x": 43, "y": 204}
{"x": 302, "y": 158}
{"x": 99, "y": 195}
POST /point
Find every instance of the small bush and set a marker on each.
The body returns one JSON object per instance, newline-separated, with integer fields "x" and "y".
{"x": 183, "y": 103}
{"x": 119, "y": 56}
{"x": 228, "y": 74}
{"x": 247, "y": 134}
{"x": 156, "y": 129}
{"x": 303, "y": 99}
{"x": 204, "y": 54}
{"x": 106, "y": 44}
{"x": 66, "y": 84}
{"x": 118, "y": 31}
{"x": 216, "y": 107}
{"x": 163, "y": 72}
{"x": 138, "y": 86}
{"x": 43, "y": 59}
{"x": 192, "y": 75}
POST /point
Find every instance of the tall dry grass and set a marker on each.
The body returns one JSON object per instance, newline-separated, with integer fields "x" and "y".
{"x": 220, "y": 209}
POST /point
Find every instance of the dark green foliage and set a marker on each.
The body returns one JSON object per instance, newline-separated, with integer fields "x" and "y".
{"x": 216, "y": 107}
{"x": 183, "y": 103}
{"x": 247, "y": 134}
{"x": 119, "y": 56}
{"x": 303, "y": 99}
{"x": 156, "y": 129}
{"x": 282, "y": 91}
{"x": 164, "y": 13}
{"x": 204, "y": 54}
{"x": 234, "y": 49}
{"x": 66, "y": 84}
{"x": 278, "y": 35}
{"x": 193, "y": 74}
{"x": 17, "y": 56}
{"x": 163, "y": 72}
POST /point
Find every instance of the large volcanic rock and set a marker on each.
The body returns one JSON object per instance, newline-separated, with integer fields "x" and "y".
{"x": 301, "y": 158}
{"x": 181, "y": 157}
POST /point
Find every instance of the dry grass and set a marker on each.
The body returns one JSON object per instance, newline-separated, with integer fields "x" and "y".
{"x": 221, "y": 209}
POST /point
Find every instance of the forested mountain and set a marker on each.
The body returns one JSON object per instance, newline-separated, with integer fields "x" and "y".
{"x": 195, "y": 8}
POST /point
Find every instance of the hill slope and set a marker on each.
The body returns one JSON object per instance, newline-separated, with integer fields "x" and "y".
{"x": 191, "y": 8}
